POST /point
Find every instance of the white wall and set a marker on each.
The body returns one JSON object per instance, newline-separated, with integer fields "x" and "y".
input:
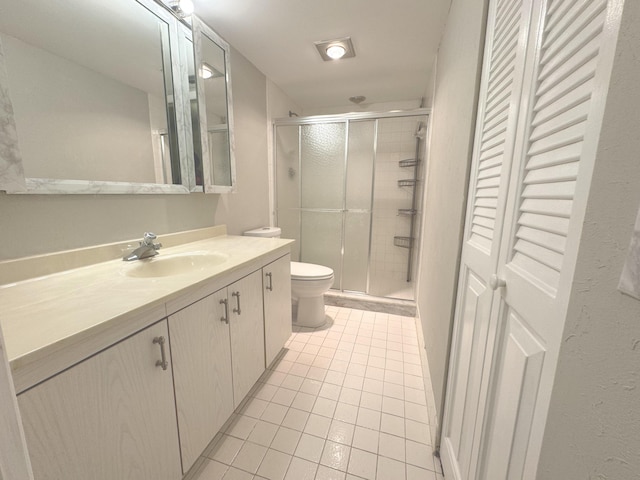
{"x": 451, "y": 136}
{"x": 75, "y": 123}
{"x": 248, "y": 207}
{"x": 278, "y": 106}
{"x": 278, "y": 103}
{"x": 593, "y": 428}
{"x": 36, "y": 224}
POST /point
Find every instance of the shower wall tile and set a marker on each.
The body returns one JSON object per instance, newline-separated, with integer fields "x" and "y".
{"x": 388, "y": 269}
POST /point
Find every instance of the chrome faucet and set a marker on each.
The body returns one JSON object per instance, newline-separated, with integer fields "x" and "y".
{"x": 146, "y": 249}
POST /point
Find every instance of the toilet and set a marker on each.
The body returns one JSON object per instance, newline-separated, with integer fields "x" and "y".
{"x": 309, "y": 283}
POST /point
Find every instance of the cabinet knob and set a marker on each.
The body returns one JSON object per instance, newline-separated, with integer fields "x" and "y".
{"x": 495, "y": 282}
{"x": 270, "y": 284}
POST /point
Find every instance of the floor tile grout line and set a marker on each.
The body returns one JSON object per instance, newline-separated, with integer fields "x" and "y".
{"x": 350, "y": 348}
{"x": 379, "y": 429}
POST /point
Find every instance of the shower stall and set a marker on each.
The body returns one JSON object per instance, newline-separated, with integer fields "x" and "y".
{"x": 349, "y": 189}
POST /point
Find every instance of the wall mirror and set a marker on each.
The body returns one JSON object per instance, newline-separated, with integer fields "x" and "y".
{"x": 95, "y": 90}
{"x": 112, "y": 96}
{"x": 213, "y": 136}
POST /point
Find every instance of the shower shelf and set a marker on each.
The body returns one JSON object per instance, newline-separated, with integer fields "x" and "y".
{"x": 407, "y": 212}
{"x": 409, "y": 162}
{"x": 404, "y": 242}
{"x": 411, "y": 213}
{"x": 411, "y": 182}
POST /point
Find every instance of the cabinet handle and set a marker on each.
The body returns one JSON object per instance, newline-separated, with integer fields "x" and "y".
{"x": 270, "y": 286}
{"x": 225, "y": 319}
{"x": 161, "y": 363}
{"x": 237, "y": 295}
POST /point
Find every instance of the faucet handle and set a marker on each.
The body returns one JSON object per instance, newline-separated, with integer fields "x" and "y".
{"x": 148, "y": 238}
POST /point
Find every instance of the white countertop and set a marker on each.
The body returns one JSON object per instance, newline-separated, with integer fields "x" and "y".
{"x": 42, "y": 316}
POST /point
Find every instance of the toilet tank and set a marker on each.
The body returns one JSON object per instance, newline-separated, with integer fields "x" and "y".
{"x": 272, "y": 232}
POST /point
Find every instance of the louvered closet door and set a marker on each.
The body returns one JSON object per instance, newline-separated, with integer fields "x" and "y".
{"x": 491, "y": 164}
{"x": 557, "y": 139}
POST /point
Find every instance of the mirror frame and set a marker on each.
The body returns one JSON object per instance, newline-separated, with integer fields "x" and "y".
{"x": 201, "y": 29}
{"x": 12, "y": 179}
{"x": 184, "y": 33}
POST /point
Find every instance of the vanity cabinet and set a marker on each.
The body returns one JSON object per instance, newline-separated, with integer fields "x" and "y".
{"x": 201, "y": 355}
{"x": 218, "y": 355}
{"x": 148, "y": 406}
{"x": 246, "y": 323}
{"x": 277, "y": 306}
{"x": 109, "y": 417}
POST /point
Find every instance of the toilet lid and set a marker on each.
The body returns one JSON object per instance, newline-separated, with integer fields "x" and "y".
{"x": 309, "y": 271}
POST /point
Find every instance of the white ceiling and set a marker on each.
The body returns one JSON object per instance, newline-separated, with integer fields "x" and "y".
{"x": 395, "y": 42}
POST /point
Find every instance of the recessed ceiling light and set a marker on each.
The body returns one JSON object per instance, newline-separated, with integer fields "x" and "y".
{"x": 182, "y": 8}
{"x": 336, "y": 49}
{"x": 207, "y": 71}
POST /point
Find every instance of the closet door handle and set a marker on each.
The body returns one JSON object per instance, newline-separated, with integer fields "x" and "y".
{"x": 495, "y": 282}
{"x": 237, "y": 310}
{"x": 270, "y": 285}
{"x": 161, "y": 363}
{"x": 225, "y": 318}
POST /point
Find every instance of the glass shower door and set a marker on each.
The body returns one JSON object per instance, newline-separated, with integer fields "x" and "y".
{"x": 322, "y": 156}
{"x": 325, "y": 177}
{"x": 358, "y": 198}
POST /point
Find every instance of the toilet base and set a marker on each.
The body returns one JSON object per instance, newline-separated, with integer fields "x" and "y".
{"x": 310, "y": 312}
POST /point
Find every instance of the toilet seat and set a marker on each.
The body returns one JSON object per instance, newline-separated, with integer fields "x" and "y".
{"x": 309, "y": 272}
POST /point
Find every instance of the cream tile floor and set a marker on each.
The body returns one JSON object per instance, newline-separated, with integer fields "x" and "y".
{"x": 344, "y": 402}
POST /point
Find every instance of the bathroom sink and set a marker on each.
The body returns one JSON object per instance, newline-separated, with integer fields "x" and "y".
{"x": 178, "y": 264}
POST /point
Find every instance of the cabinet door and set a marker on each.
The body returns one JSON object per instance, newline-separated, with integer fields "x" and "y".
{"x": 109, "y": 417}
{"x": 247, "y": 333}
{"x": 201, "y": 353}
{"x": 277, "y": 306}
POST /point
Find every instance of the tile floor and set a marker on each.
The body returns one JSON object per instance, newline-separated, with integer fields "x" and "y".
{"x": 343, "y": 402}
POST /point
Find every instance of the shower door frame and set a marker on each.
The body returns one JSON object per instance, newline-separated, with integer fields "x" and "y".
{"x": 345, "y": 118}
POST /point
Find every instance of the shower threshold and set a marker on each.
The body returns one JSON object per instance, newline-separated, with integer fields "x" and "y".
{"x": 361, "y": 301}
